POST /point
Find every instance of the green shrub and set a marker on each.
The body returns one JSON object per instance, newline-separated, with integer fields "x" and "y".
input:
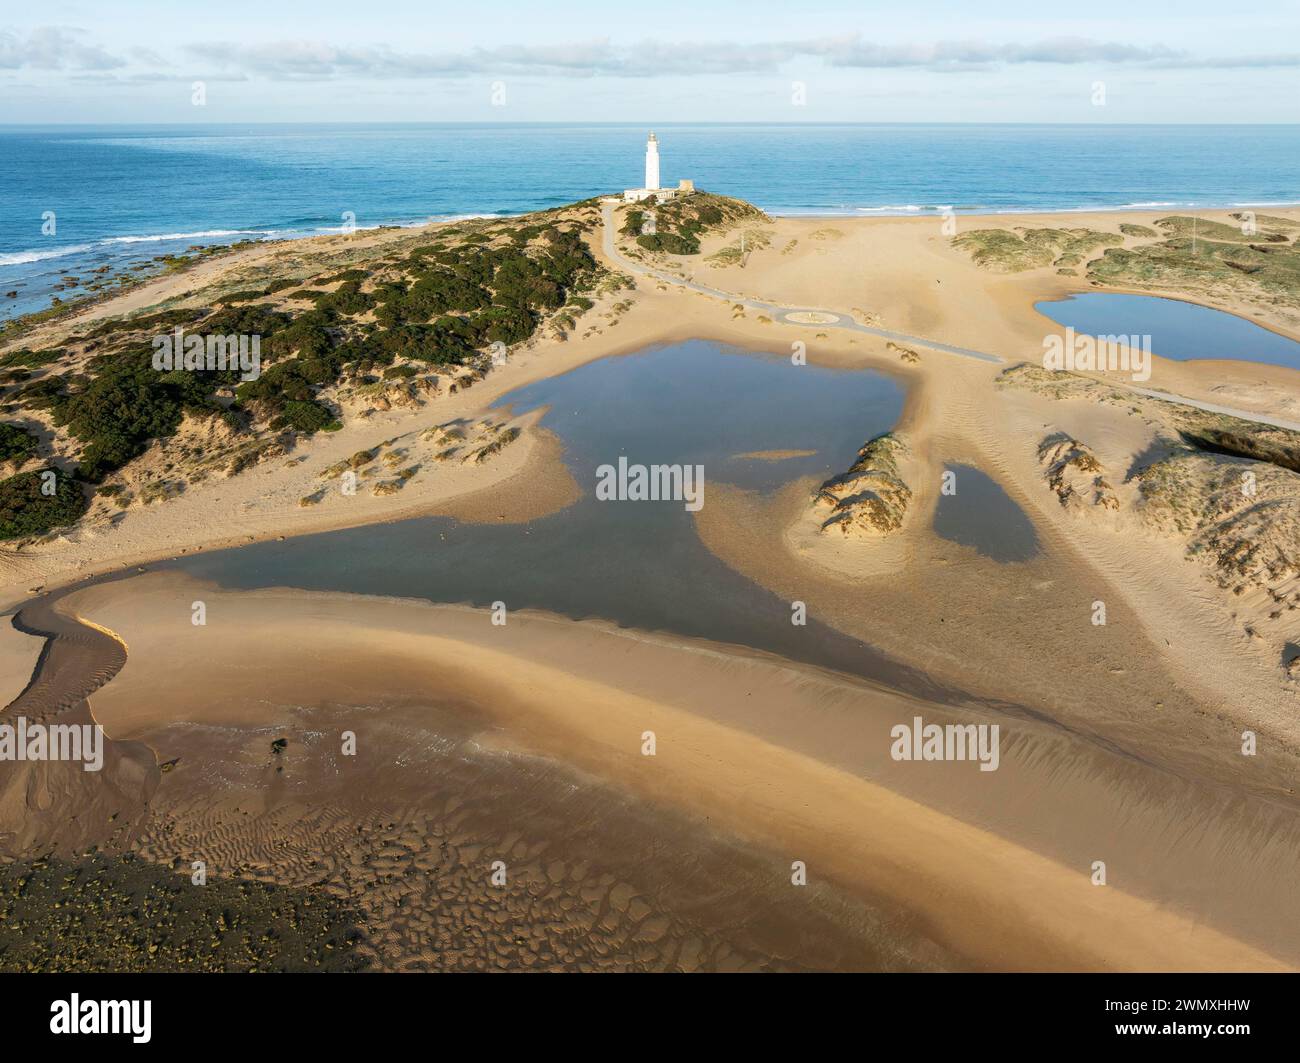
{"x": 28, "y": 359}
{"x": 304, "y": 416}
{"x": 16, "y": 442}
{"x": 672, "y": 243}
{"x": 117, "y": 414}
{"x": 347, "y": 299}
{"x": 246, "y": 320}
{"x": 42, "y": 394}
{"x": 346, "y": 275}
{"x": 309, "y": 334}
{"x": 506, "y": 325}
{"x": 243, "y": 297}
{"x": 160, "y": 322}
{"x": 26, "y": 510}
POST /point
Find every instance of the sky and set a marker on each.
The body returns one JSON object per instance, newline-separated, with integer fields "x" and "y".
{"x": 156, "y": 61}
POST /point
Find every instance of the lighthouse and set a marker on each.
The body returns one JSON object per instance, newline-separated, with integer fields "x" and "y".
{"x": 652, "y": 164}
{"x": 653, "y": 190}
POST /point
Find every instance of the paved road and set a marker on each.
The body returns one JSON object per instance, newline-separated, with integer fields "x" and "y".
{"x": 835, "y": 319}
{"x": 783, "y": 314}
{"x": 1258, "y": 418}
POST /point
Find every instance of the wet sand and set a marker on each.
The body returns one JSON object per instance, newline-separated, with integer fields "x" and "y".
{"x": 58, "y": 806}
{"x": 409, "y": 831}
{"x": 787, "y": 761}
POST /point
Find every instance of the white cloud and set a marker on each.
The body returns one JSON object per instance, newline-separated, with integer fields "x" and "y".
{"x": 855, "y": 52}
{"x": 53, "y": 48}
{"x": 65, "y": 49}
{"x": 602, "y": 57}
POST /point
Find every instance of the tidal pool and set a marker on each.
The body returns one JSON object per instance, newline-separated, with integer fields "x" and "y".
{"x": 1179, "y": 331}
{"x": 636, "y": 563}
{"x": 979, "y": 513}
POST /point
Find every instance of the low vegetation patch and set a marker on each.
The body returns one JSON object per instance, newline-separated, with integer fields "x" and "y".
{"x": 447, "y": 299}
{"x": 1019, "y": 249}
{"x": 679, "y": 223}
{"x": 37, "y": 502}
{"x": 1212, "y": 260}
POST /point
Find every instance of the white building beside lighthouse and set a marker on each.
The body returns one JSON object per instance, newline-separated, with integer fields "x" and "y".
{"x": 651, "y": 189}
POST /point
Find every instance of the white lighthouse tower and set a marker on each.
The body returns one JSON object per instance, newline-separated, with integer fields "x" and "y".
{"x": 653, "y": 190}
{"x": 652, "y": 164}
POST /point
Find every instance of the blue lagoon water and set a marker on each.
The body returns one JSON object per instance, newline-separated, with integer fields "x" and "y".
{"x": 121, "y": 194}
{"x": 1179, "y": 331}
{"x": 636, "y": 564}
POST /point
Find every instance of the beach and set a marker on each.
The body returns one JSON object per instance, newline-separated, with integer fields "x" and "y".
{"x": 781, "y": 769}
{"x": 1121, "y": 742}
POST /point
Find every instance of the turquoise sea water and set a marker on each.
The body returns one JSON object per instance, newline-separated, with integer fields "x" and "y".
{"x": 121, "y": 194}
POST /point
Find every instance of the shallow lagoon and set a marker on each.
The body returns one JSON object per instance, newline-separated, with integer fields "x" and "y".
{"x": 980, "y": 514}
{"x": 636, "y": 563}
{"x": 1179, "y": 331}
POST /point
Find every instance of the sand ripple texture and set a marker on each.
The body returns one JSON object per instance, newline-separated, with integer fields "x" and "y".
{"x": 58, "y": 806}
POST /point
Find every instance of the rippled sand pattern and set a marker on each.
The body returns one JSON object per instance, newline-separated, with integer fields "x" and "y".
{"x": 594, "y": 880}
{"x": 58, "y": 806}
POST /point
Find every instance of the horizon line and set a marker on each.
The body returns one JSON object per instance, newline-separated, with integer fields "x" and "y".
{"x": 662, "y": 123}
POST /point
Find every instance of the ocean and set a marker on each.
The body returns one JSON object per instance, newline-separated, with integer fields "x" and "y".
{"x": 119, "y": 195}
